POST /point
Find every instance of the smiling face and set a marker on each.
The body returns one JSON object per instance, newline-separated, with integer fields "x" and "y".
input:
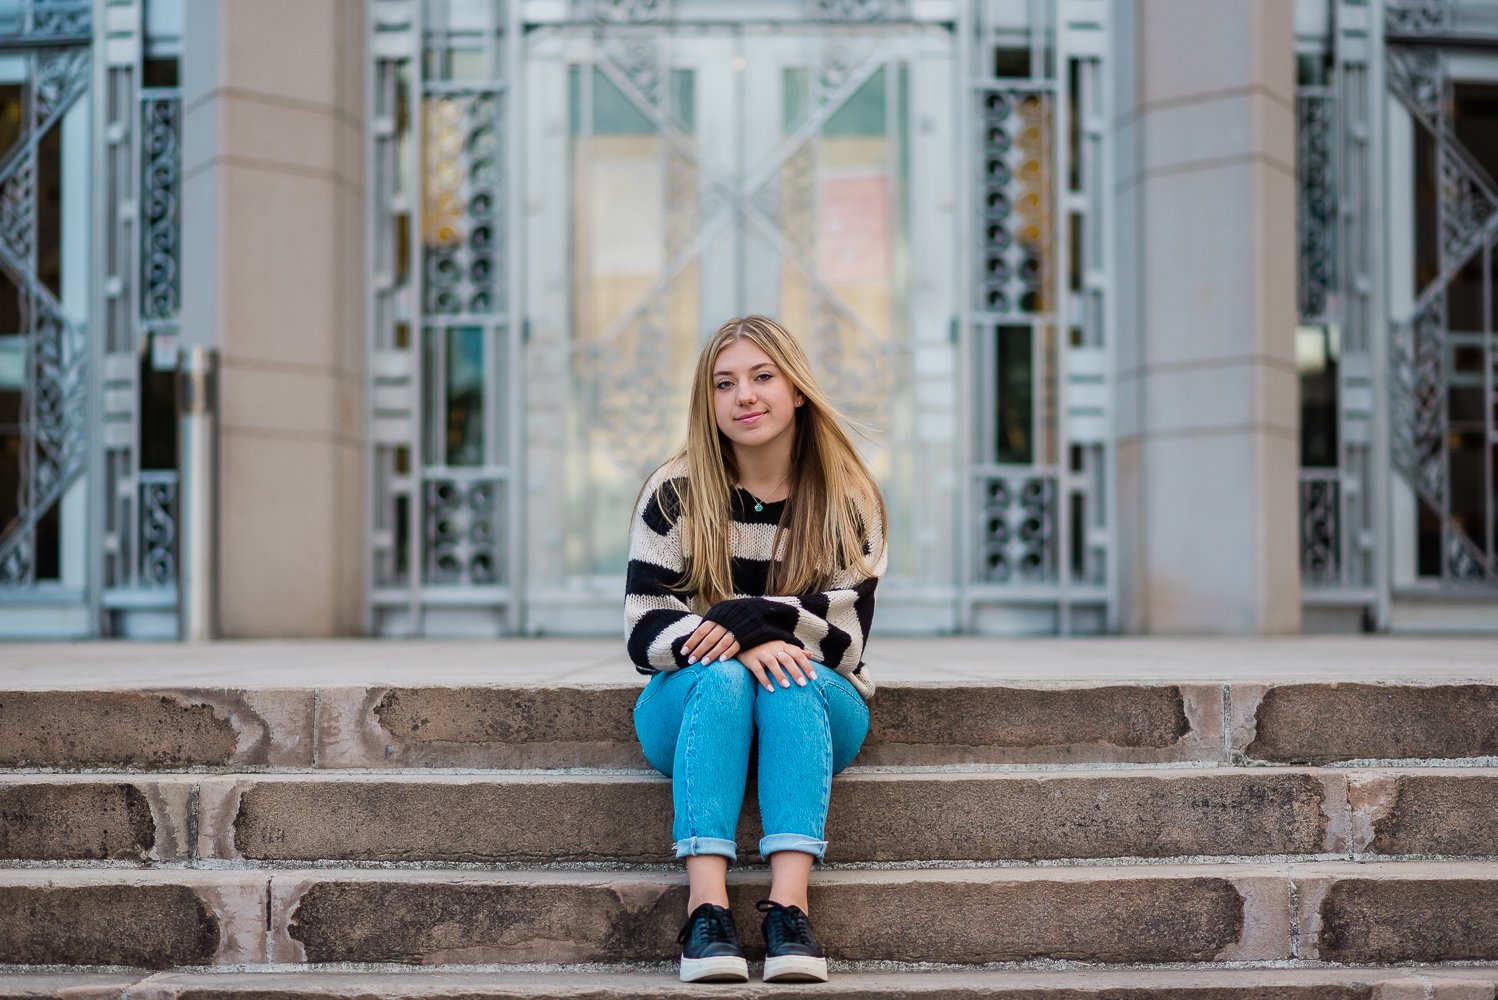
{"x": 753, "y": 401}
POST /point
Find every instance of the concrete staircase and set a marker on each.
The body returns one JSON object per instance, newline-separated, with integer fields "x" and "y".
{"x": 1099, "y": 840}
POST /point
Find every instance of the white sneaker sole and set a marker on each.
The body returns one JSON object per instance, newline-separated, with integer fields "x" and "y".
{"x": 718, "y": 969}
{"x": 795, "y": 969}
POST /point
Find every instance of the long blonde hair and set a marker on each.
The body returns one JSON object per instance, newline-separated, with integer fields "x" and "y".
{"x": 821, "y": 534}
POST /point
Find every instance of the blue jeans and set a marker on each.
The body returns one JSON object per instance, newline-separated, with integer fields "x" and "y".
{"x": 696, "y": 726}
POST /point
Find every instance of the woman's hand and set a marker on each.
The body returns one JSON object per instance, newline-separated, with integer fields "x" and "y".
{"x": 710, "y": 641}
{"x": 778, "y": 658}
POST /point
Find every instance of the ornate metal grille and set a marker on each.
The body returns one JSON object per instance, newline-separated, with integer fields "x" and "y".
{"x": 161, "y": 155}
{"x": 1041, "y": 473}
{"x": 1320, "y": 549}
{"x": 599, "y": 377}
{"x": 48, "y": 444}
{"x": 138, "y": 162}
{"x": 1316, "y": 135}
{"x": 158, "y": 535}
{"x": 1442, "y": 353}
{"x": 1337, "y": 237}
{"x": 441, "y": 330}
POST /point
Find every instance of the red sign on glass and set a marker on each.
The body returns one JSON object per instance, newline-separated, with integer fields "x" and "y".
{"x": 853, "y": 228}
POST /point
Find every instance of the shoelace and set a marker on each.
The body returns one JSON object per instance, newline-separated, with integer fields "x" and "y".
{"x": 709, "y": 924}
{"x": 793, "y": 925}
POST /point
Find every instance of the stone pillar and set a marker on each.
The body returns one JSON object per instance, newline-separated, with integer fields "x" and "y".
{"x": 1208, "y": 441}
{"x": 273, "y": 98}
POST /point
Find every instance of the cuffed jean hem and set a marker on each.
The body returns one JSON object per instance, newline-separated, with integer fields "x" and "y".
{"x": 792, "y": 842}
{"x": 689, "y": 846}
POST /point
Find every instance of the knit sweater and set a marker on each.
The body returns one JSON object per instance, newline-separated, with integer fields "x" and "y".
{"x": 830, "y": 625}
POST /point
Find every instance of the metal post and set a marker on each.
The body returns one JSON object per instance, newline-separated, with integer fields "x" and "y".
{"x": 197, "y": 441}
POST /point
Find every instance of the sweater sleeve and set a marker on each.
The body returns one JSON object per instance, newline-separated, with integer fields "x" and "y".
{"x": 831, "y": 625}
{"x": 657, "y": 618}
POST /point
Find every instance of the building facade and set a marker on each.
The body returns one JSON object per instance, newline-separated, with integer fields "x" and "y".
{"x": 1158, "y": 316}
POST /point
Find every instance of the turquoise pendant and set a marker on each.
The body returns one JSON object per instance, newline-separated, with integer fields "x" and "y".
{"x": 759, "y": 507}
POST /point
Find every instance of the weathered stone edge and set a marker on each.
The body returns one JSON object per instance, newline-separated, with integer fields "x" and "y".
{"x": 341, "y": 727}
{"x": 257, "y": 913}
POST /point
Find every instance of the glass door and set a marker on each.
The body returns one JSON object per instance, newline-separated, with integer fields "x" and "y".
{"x": 676, "y": 179}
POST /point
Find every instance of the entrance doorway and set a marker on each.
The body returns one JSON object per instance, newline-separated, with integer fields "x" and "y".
{"x": 677, "y": 178}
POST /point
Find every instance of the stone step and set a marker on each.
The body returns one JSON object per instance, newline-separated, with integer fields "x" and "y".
{"x": 1333, "y": 912}
{"x": 555, "y": 726}
{"x": 988, "y": 984}
{"x": 874, "y": 816}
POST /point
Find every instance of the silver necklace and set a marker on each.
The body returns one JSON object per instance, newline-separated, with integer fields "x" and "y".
{"x": 759, "y": 504}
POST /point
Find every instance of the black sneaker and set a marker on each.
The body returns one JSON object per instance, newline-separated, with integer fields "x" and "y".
{"x": 792, "y": 954}
{"x": 710, "y": 949}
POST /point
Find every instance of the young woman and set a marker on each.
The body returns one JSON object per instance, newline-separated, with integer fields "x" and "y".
{"x": 754, "y": 556}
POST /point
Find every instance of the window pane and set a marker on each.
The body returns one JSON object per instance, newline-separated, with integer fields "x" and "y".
{"x": 863, "y": 113}
{"x": 1015, "y": 406}
{"x": 465, "y": 396}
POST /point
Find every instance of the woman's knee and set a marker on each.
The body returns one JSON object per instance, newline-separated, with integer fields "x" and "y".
{"x": 724, "y": 678}
{"x": 791, "y": 706}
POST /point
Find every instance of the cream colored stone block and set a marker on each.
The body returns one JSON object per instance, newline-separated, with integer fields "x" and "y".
{"x": 1235, "y": 126}
{"x": 350, "y": 294}
{"x": 1214, "y": 564}
{"x": 352, "y": 51}
{"x": 283, "y": 48}
{"x": 278, "y": 536}
{"x": 1267, "y": 927}
{"x": 286, "y": 400}
{"x": 352, "y": 499}
{"x": 1210, "y": 275}
{"x": 1278, "y": 547}
{"x": 1189, "y": 48}
{"x": 279, "y": 266}
{"x": 349, "y": 159}
{"x": 1275, "y": 193}
{"x": 303, "y": 137}
{"x": 1232, "y": 395}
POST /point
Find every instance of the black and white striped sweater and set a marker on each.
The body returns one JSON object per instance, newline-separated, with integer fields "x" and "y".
{"x": 831, "y": 625}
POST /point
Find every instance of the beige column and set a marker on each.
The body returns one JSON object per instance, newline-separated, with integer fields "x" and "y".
{"x": 273, "y": 99}
{"x": 1208, "y": 446}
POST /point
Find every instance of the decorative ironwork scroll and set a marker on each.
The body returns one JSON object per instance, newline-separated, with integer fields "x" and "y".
{"x": 1317, "y": 217}
{"x": 1419, "y": 413}
{"x": 1414, "y": 75}
{"x": 160, "y": 278}
{"x": 1432, "y": 446}
{"x": 59, "y": 20}
{"x": 856, "y": 10}
{"x": 138, "y": 156}
{"x": 1417, "y": 17}
{"x": 158, "y": 528}
{"x": 1320, "y": 546}
{"x": 629, "y": 11}
{"x": 1466, "y": 208}
{"x": 54, "y": 395}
